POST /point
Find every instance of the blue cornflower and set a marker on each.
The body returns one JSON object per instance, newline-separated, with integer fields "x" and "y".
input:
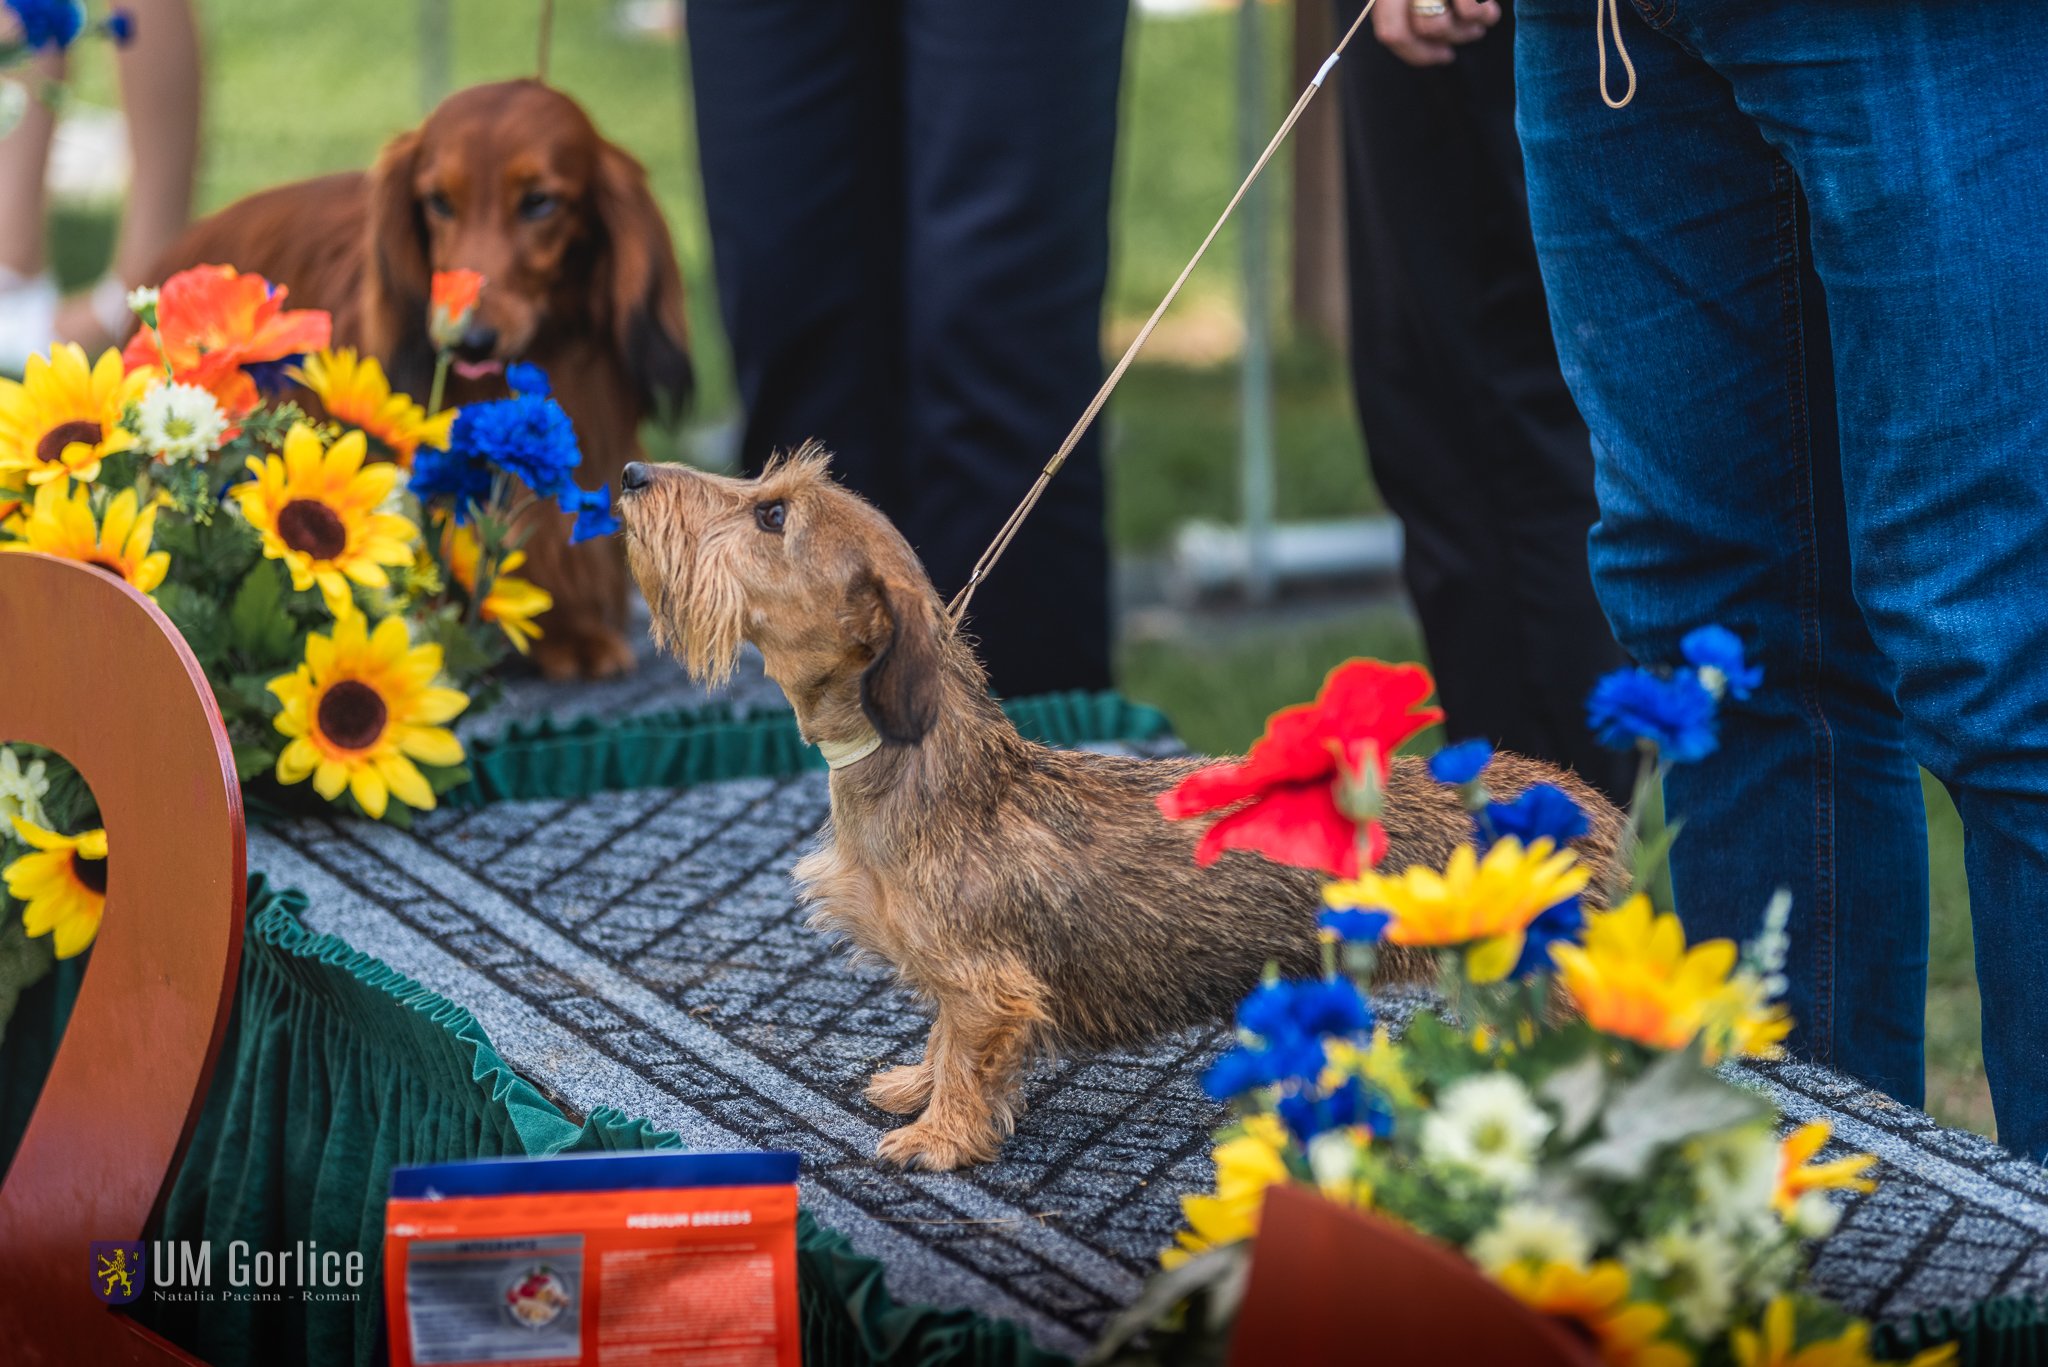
{"x": 528, "y": 437}
{"x": 1311, "y": 1007}
{"x": 1289, "y": 1020}
{"x": 1351, "y": 1104}
{"x": 1717, "y": 653}
{"x": 120, "y": 26}
{"x": 450, "y": 475}
{"x": 1562, "y": 922}
{"x": 270, "y": 376}
{"x": 1353, "y": 925}
{"x": 523, "y": 377}
{"x": 1460, "y": 764}
{"x": 1248, "y": 1067}
{"x": 1675, "y": 713}
{"x": 1242, "y": 1070}
{"x": 1544, "y": 810}
{"x": 48, "y": 23}
{"x": 592, "y": 509}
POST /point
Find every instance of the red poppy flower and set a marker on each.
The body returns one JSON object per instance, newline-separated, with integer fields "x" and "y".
{"x": 452, "y": 300}
{"x": 212, "y": 321}
{"x": 1283, "y": 795}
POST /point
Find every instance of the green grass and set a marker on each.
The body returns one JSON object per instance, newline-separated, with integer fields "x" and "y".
{"x": 1172, "y": 447}
{"x": 298, "y": 87}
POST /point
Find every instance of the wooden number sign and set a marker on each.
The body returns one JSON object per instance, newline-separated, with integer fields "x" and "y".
{"x": 91, "y": 669}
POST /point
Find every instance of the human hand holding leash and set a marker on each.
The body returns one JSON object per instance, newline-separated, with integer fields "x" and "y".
{"x": 1428, "y": 32}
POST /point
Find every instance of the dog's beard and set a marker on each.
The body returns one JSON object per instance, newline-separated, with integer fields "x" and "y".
{"x": 696, "y": 608}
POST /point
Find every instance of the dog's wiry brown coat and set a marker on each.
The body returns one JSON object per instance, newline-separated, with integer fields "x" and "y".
{"x": 1035, "y": 898}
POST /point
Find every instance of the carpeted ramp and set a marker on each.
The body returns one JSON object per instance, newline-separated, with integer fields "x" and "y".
{"x": 643, "y": 950}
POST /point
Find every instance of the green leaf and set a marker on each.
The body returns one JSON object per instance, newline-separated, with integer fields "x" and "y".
{"x": 69, "y": 804}
{"x": 219, "y": 554}
{"x": 246, "y": 699}
{"x": 254, "y": 761}
{"x": 1650, "y": 854}
{"x": 259, "y": 626}
{"x": 198, "y": 619}
{"x": 23, "y": 961}
{"x": 1214, "y": 1270}
{"x": 466, "y": 651}
{"x": 1576, "y": 1091}
{"x": 1677, "y": 1098}
{"x": 446, "y": 777}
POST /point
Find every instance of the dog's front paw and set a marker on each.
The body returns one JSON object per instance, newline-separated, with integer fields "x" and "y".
{"x": 586, "y": 653}
{"x": 902, "y": 1090}
{"x": 935, "y": 1148}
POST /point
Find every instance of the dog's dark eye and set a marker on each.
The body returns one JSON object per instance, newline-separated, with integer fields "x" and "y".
{"x": 440, "y": 206}
{"x": 536, "y": 204}
{"x": 770, "y": 516}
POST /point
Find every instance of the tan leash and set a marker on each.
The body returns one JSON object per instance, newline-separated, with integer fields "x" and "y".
{"x": 957, "y": 609}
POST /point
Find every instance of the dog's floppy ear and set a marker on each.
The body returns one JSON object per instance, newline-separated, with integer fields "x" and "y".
{"x": 397, "y": 275}
{"x": 640, "y": 285}
{"x": 899, "y": 690}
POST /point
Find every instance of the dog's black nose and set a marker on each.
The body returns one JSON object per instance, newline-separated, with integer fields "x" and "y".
{"x": 478, "y": 343}
{"x": 635, "y": 477}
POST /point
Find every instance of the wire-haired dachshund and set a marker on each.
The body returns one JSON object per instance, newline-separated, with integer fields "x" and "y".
{"x": 1034, "y": 898}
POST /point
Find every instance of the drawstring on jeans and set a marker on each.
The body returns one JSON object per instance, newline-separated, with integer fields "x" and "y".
{"x": 1609, "y": 12}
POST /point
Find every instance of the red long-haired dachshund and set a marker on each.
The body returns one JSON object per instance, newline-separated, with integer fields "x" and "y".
{"x": 514, "y": 181}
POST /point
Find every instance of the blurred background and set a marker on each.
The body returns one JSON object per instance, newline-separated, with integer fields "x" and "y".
{"x": 1213, "y": 629}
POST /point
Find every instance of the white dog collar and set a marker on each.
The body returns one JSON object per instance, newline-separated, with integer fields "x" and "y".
{"x": 842, "y": 754}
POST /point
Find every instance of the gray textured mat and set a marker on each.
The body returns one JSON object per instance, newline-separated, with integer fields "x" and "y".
{"x": 643, "y": 950}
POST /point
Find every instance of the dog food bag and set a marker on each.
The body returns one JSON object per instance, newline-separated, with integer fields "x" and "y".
{"x": 613, "y": 1258}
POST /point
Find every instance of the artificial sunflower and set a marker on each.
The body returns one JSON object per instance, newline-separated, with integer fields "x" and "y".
{"x": 61, "y": 523}
{"x": 1777, "y": 1345}
{"x": 1627, "y": 1333}
{"x": 63, "y": 417}
{"x": 318, "y": 511}
{"x": 512, "y": 603}
{"x": 63, "y": 883}
{"x": 1245, "y": 1167}
{"x": 354, "y": 391}
{"x": 1634, "y": 978}
{"x": 361, "y": 709}
{"x": 1487, "y": 903}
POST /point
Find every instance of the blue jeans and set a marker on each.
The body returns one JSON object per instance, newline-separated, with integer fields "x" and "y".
{"x": 1797, "y": 294}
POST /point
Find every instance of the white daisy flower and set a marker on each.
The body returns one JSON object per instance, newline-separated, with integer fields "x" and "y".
{"x": 1333, "y": 1158}
{"x": 1489, "y": 1126}
{"x": 1526, "y": 1231}
{"x": 1814, "y": 1216}
{"x": 1695, "y": 1271}
{"x": 178, "y": 422}
{"x": 141, "y": 299}
{"x": 22, "y": 789}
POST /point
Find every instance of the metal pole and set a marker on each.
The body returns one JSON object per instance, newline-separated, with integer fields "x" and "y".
{"x": 1255, "y": 431}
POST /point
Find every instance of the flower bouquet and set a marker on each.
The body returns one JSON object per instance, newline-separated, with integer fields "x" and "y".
{"x": 1560, "y": 1123}
{"x": 342, "y": 562}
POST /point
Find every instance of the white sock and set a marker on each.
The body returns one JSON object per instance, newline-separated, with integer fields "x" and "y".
{"x": 28, "y": 317}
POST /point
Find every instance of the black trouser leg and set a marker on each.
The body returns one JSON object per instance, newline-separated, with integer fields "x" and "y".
{"x": 1472, "y": 436}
